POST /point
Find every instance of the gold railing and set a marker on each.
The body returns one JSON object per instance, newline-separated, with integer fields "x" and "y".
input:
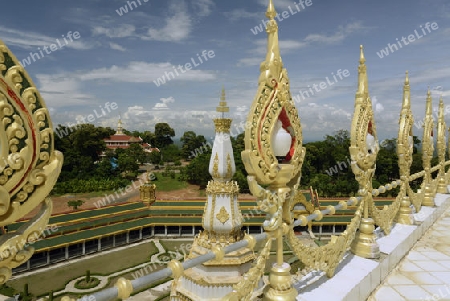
{"x": 33, "y": 168}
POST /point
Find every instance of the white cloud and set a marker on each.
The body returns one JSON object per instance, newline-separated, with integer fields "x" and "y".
{"x": 250, "y": 61}
{"x": 203, "y": 7}
{"x": 31, "y": 40}
{"x": 140, "y": 118}
{"x": 331, "y": 119}
{"x": 60, "y": 91}
{"x": 122, "y": 31}
{"x": 163, "y": 105}
{"x": 258, "y": 53}
{"x": 117, "y": 46}
{"x": 338, "y": 36}
{"x": 143, "y": 72}
{"x": 240, "y": 13}
{"x": 177, "y": 27}
{"x": 279, "y": 4}
{"x": 377, "y": 107}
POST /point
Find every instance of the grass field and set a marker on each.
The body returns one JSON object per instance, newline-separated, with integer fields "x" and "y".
{"x": 168, "y": 184}
{"x": 107, "y": 263}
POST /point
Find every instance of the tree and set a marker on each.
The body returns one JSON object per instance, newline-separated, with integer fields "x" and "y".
{"x": 75, "y": 204}
{"x": 88, "y": 276}
{"x": 137, "y": 152}
{"x": 191, "y": 142}
{"x": 155, "y": 157}
{"x": 81, "y": 146}
{"x": 127, "y": 165}
{"x": 163, "y": 134}
{"x": 170, "y": 153}
{"x": 240, "y": 176}
{"x": 197, "y": 171}
{"x": 107, "y": 167}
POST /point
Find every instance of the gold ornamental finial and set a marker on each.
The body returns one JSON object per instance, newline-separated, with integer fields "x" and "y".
{"x": 362, "y": 59}
{"x": 271, "y": 12}
{"x": 272, "y": 66}
{"x": 406, "y": 93}
{"x": 429, "y": 108}
{"x": 363, "y": 90}
{"x": 119, "y": 127}
{"x": 223, "y": 108}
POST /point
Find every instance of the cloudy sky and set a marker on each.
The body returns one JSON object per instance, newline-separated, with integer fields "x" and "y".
{"x": 85, "y": 54}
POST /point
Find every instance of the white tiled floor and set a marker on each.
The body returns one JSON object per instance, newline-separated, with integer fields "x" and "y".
{"x": 424, "y": 273}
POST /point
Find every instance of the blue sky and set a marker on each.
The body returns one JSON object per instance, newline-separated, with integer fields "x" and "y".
{"x": 119, "y": 55}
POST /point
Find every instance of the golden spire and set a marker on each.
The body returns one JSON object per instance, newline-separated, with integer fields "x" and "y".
{"x": 363, "y": 90}
{"x": 273, "y": 61}
{"x": 429, "y": 108}
{"x": 223, "y": 108}
{"x": 119, "y": 127}
{"x": 441, "y": 110}
{"x": 406, "y": 93}
{"x": 271, "y": 12}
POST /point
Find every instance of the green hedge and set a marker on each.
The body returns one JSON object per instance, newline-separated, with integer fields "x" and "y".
{"x": 89, "y": 185}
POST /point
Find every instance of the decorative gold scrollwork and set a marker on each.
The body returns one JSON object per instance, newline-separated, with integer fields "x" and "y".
{"x": 29, "y": 165}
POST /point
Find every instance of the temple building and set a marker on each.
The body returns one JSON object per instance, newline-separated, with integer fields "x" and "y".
{"x": 222, "y": 223}
{"x": 121, "y": 140}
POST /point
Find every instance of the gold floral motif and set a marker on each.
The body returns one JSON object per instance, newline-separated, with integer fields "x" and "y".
{"x": 229, "y": 174}
{"x": 223, "y": 215}
{"x": 207, "y": 239}
{"x": 222, "y": 125}
{"x": 215, "y": 171}
{"x": 223, "y": 188}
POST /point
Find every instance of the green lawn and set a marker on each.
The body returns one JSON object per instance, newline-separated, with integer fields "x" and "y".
{"x": 168, "y": 184}
{"x": 107, "y": 263}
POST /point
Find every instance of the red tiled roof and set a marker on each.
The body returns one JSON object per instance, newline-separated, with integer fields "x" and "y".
{"x": 123, "y": 138}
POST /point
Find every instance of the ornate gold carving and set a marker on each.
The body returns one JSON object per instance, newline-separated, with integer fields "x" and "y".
{"x": 272, "y": 102}
{"x": 441, "y": 131}
{"x": 222, "y": 125}
{"x": 243, "y": 290}
{"x": 327, "y": 257}
{"x": 30, "y": 165}
{"x": 273, "y": 105}
{"x": 427, "y": 154}
{"x": 215, "y": 171}
{"x": 405, "y": 147}
{"x": 229, "y": 174}
{"x": 299, "y": 198}
{"x": 363, "y": 151}
{"x": 208, "y": 239}
{"x": 222, "y": 108}
{"x": 227, "y": 188}
{"x": 223, "y": 215}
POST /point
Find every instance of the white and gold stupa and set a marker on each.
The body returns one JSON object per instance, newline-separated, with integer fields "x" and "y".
{"x": 222, "y": 222}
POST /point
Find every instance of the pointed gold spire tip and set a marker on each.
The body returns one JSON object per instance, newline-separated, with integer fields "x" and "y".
{"x": 222, "y": 108}
{"x": 361, "y": 56}
{"x": 271, "y": 12}
{"x": 406, "y": 78}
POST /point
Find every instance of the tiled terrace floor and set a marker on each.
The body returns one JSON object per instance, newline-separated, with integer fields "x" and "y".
{"x": 424, "y": 273}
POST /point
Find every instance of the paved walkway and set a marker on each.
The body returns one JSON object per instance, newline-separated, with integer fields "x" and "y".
{"x": 424, "y": 273}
